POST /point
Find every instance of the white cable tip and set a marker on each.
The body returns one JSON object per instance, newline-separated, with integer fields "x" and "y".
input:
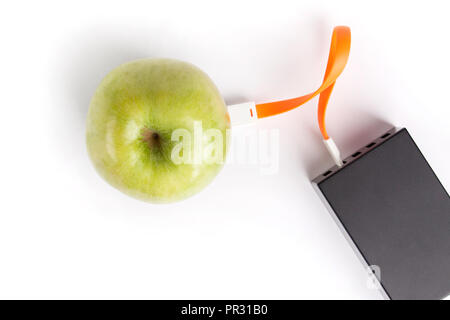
{"x": 242, "y": 113}
{"x": 334, "y": 151}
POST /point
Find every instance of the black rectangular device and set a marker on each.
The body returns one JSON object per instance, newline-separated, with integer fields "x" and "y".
{"x": 395, "y": 213}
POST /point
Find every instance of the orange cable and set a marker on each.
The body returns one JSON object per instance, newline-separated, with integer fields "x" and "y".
{"x": 337, "y": 59}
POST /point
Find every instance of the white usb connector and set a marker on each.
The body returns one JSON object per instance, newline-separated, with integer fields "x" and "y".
{"x": 334, "y": 151}
{"x": 242, "y": 113}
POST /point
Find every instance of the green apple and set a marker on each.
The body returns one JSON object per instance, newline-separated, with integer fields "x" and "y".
{"x": 131, "y": 120}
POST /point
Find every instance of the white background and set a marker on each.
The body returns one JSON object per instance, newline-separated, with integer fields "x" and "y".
{"x": 65, "y": 233}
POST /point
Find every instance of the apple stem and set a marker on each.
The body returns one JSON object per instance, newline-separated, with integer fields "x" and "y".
{"x": 151, "y": 137}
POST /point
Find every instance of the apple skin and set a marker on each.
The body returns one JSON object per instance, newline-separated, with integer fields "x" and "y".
{"x": 130, "y": 121}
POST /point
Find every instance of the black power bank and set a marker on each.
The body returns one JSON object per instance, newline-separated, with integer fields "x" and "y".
{"x": 396, "y": 214}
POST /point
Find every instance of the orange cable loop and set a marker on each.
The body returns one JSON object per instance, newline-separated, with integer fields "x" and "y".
{"x": 337, "y": 59}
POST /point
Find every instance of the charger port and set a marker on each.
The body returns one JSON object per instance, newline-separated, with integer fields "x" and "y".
{"x": 327, "y": 173}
